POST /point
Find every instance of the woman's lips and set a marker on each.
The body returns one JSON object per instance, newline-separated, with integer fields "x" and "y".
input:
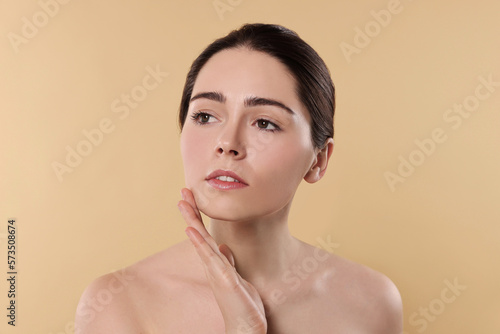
{"x": 221, "y": 172}
{"x": 225, "y": 185}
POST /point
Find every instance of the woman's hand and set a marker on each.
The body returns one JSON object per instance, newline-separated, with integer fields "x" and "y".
{"x": 238, "y": 300}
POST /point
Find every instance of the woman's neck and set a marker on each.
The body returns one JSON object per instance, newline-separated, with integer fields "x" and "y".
{"x": 263, "y": 249}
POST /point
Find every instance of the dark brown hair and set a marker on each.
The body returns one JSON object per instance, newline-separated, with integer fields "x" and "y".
{"x": 314, "y": 85}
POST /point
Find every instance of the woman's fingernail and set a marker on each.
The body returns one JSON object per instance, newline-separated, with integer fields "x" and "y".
{"x": 182, "y": 195}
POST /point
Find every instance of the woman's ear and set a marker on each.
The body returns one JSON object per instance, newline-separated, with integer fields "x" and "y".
{"x": 318, "y": 168}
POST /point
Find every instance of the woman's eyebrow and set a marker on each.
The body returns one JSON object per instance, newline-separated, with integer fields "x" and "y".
{"x": 251, "y": 101}
{"x": 254, "y": 101}
{"x": 214, "y": 96}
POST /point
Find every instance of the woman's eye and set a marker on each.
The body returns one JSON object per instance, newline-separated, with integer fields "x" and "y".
{"x": 201, "y": 117}
{"x": 204, "y": 118}
{"x": 266, "y": 125}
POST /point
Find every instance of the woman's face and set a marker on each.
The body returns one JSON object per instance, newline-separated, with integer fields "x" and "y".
{"x": 245, "y": 117}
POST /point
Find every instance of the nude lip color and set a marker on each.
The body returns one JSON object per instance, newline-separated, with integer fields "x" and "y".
{"x": 225, "y": 185}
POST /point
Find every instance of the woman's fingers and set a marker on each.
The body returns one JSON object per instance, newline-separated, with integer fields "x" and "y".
{"x": 192, "y": 221}
{"x": 187, "y": 195}
{"x": 221, "y": 272}
{"x": 215, "y": 263}
{"x": 224, "y": 249}
{"x": 192, "y": 216}
{"x": 239, "y": 302}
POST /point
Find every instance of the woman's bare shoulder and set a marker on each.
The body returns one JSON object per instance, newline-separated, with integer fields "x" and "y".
{"x": 367, "y": 294}
{"x": 111, "y": 303}
{"x": 177, "y": 260}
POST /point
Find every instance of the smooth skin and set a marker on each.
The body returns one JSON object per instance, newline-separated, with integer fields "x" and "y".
{"x": 244, "y": 272}
{"x": 240, "y": 303}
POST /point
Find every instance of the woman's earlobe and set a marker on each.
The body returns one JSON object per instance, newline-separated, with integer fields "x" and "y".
{"x": 318, "y": 169}
{"x": 313, "y": 175}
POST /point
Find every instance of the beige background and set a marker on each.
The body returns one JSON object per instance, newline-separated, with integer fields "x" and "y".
{"x": 119, "y": 205}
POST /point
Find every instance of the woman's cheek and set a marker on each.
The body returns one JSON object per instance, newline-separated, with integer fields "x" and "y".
{"x": 282, "y": 172}
{"x": 193, "y": 152}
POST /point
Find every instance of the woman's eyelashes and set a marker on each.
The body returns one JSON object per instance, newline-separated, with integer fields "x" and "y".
{"x": 200, "y": 120}
{"x": 203, "y": 118}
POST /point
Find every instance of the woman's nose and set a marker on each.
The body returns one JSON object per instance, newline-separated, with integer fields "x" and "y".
{"x": 230, "y": 143}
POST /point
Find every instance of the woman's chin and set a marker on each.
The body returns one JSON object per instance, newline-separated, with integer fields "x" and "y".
{"x": 219, "y": 214}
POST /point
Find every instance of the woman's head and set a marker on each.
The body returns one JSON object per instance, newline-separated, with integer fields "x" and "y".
{"x": 243, "y": 111}
{"x": 314, "y": 85}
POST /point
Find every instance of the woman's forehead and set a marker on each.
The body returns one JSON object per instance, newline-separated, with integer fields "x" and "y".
{"x": 241, "y": 71}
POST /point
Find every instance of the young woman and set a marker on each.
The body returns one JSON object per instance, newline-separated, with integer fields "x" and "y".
{"x": 256, "y": 119}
